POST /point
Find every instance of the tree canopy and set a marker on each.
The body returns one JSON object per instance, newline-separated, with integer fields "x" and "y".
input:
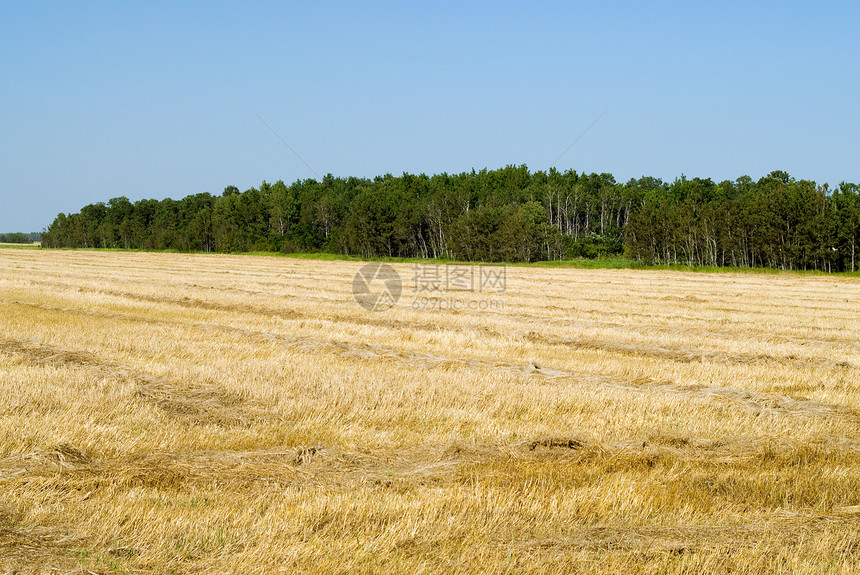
{"x": 20, "y": 238}
{"x": 509, "y": 214}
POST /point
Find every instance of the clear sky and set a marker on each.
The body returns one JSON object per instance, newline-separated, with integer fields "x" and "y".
{"x": 161, "y": 99}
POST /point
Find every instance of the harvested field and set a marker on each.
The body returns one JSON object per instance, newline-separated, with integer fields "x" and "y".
{"x": 165, "y": 413}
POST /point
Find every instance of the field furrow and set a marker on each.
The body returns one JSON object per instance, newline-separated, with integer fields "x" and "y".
{"x": 178, "y": 413}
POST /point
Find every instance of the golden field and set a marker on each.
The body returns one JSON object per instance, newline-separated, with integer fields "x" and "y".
{"x": 164, "y": 413}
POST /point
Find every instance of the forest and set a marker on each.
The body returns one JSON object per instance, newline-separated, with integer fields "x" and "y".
{"x": 20, "y": 238}
{"x": 509, "y": 214}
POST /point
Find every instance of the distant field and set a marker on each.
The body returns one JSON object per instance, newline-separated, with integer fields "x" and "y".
{"x": 20, "y": 246}
{"x": 168, "y": 413}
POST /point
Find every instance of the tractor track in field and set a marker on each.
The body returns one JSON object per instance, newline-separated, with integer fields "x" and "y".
{"x": 646, "y": 329}
{"x": 180, "y": 400}
{"x": 686, "y": 355}
{"x": 653, "y": 542}
{"x": 209, "y": 404}
{"x": 422, "y": 464}
{"x": 82, "y": 478}
{"x": 679, "y": 355}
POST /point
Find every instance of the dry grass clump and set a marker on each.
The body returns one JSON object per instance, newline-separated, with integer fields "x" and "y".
{"x": 180, "y": 413}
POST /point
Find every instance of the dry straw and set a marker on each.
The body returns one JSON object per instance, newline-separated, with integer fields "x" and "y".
{"x": 187, "y": 413}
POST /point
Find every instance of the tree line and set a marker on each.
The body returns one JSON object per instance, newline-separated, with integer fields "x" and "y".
{"x": 20, "y": 238}
{"x": 509, "y": 214}
{"x": 776, "y": 222}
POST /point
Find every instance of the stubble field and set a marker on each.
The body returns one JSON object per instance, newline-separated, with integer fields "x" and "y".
{"x": 164, "y": 413}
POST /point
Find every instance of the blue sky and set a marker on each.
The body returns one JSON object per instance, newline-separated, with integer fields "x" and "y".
{"x": 161, "y": 99}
